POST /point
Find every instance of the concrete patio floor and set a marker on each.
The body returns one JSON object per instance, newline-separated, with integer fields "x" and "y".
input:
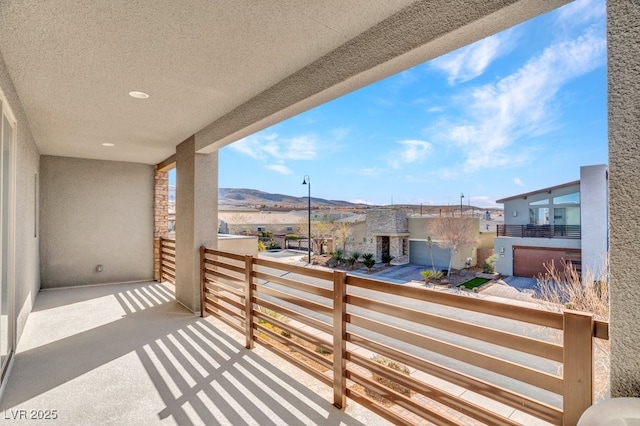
{"x": 130, "y": 354}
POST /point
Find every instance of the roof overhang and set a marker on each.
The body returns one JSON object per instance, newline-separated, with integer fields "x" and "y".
{"x": 548, "y": 190}
{"x": 216, "y": 70}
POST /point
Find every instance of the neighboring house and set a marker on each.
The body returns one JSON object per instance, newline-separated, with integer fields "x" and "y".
{"x": 566, "y": 223}
{"x": 420, "y": 253}
{"x": 394, "y": 233}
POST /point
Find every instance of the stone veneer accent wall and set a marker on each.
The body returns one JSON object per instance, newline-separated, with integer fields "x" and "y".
{"x": 160, "y": 217}
{"x": 387, "y": 221}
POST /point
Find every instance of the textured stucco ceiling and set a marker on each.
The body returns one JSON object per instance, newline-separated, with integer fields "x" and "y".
{"x": 217, "y": 69}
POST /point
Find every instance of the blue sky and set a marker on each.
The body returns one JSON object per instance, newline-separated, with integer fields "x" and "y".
{"x": 515, "y": 112}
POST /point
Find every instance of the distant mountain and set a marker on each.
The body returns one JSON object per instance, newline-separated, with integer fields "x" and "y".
{"x": 253, "y": 197}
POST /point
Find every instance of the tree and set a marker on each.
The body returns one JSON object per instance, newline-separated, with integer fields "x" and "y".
{"x": 320, "y": 231}
{"x": 453, "y": 233}
{"x": 343, "y": 232}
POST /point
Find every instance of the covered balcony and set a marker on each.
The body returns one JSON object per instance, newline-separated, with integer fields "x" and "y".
{"x": 98, "y": 100}
{"x": 539, "y": 231}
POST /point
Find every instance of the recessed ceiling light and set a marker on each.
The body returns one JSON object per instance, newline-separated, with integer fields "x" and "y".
{"x": 139, "y": 95}
{"x": 108, "y": 144}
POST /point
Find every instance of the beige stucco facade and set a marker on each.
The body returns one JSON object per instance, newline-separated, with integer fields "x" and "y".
{"x": 94, "y": 213}
{"x": 623, "y": 44}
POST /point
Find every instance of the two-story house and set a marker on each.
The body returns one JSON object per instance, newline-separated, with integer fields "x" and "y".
{"x": 567, "y": 223}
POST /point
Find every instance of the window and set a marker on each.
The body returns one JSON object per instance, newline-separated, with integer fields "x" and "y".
{"x": 573, "y": 198}
{"x": 7, "y": 186}
{"x": 539, "y": 216}
{"x": 544, "y": 202}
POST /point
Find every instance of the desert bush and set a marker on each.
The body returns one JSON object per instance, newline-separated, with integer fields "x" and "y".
{"x": 273, "y": 246}
{"x": 261, "y": 246}
{"x": 564, "y": 288}
{"x": 275, "y": 315}
{"x": 391, "y": 384}
{"x": 322, "y": 351}
{"x": 291, "y": 237}
{"x": 489, "y": 265}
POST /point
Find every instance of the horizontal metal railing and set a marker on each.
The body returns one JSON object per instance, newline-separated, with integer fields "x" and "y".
{"x": 329, "y": 324}
{"x": 539, "y": 231}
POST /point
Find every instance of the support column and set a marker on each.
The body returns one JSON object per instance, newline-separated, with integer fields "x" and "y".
{"x": 160, "y": 216}
{"x": 196, "y": 217}
{"x": 623, "y": 44}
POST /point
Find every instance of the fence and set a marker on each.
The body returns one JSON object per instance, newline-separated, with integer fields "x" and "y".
{"x": 460, "y": 351}
{"x": 539, "y": 231}
{"x": 167, "y": 260}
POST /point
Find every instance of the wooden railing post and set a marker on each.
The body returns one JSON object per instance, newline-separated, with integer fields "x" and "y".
{"x": 339, "y": 339}
{"x": 161, "y": 278}
{"x": 248, "y": 301}
{"x": 577, "y": 365}
{"x": 203, "y": 285}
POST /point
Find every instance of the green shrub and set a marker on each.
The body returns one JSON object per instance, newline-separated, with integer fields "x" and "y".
{"x": 430, "y": 274}
{"x": 322, "y": 351}
{"x": 337, "y": 255}
{"x": 273, "y": 246}
{"x": 353, "y": 258}
{"x": 291, "y": 237}
{"x": 387, "y": 258}
{"x": 368, "y": 260}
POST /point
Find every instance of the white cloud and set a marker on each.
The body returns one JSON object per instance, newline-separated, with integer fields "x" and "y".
{"x": 262, "y": 146}
{"x": 360, "y": 201}
{"x": 518, "y": 181}
{"x": 471, "y": 61}
{"x": 370, "y": 171}
{"x": 519, "y": 105}
{"x": 278, "y": 168}
{"x": 411, "y": 151}
{"x": 582, "y": 11}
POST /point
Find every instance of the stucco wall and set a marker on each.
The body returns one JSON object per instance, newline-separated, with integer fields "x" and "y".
{"x": 521, "y": 205}
{"x": 238, "y": 244}
{"x": 594, "y": 218}
{"x": 27, "y": 267}
{"x": 95, "y": 213}
{"x": 623, "y": 47}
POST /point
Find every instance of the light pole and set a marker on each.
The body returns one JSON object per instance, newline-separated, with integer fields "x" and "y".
{"x": 307, "y": 181}
{"x": 461, "y": 197}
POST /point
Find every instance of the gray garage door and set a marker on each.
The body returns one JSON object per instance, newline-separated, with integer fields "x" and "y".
{"x": 419, "y": 255}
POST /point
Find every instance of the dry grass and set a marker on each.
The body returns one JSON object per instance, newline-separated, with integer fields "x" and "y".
{"x": 391, "y": 384}
{"x": 562, "y": 288}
